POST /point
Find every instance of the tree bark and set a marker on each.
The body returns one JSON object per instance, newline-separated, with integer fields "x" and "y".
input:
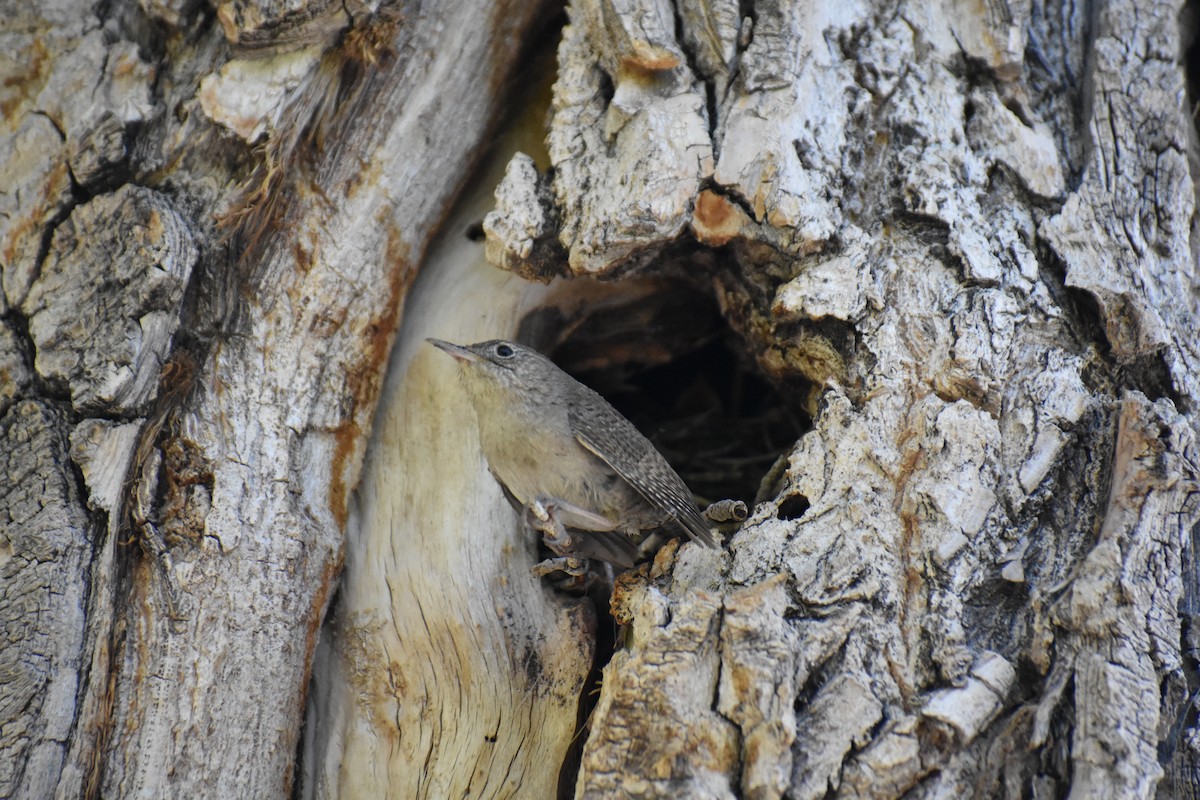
{"x": 961, "y": 235}
{"x": 212, "y": 217}
{"x": 971, "y": 230}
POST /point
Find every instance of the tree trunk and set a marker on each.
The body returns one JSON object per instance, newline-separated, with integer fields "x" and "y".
{"x": 211, "y": 221}
{"x": 918, "y": 213}
{"x": 959, "y": 237}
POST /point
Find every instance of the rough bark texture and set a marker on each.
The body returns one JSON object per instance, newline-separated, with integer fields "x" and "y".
{"x": 971, "y": 228}
{"x": 209, "y": 223}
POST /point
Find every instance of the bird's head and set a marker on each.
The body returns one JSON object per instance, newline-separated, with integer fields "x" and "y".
{"x": 500, "y": 365}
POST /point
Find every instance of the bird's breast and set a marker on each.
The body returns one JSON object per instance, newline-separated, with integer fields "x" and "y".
{"x": 532, "y": 451}
{"x": 535, "y": 456}
{"x": 539, "y": 467}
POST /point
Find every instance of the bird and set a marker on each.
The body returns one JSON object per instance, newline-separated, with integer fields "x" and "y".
{"x": 569, "y": 460}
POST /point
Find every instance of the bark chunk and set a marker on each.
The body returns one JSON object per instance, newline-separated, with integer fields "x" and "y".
{"x": 628, "y": 140}
{"x": 104, "y": 310}
{"x": 45, "y": 552}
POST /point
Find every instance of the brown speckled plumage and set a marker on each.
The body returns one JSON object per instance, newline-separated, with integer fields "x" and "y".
{"x": 544, "y": 434}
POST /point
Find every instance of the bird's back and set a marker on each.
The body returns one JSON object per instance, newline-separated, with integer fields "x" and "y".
{"x": 602, "y": 430}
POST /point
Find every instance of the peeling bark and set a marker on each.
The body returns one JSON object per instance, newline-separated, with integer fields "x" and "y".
{"x": 961, "y": 236}
{"x": 916, "y": 205}
{"x": 201, "y": 283}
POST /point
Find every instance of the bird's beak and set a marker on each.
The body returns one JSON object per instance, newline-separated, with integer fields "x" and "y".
{"x": 458, "y": 351}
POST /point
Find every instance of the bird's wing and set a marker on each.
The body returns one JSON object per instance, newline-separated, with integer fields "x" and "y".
{"x": 517, "y": 505}
{"x": 602, "y": 430}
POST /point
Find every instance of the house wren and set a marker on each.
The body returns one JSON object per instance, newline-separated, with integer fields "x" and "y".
{"x": 568, "y": 458}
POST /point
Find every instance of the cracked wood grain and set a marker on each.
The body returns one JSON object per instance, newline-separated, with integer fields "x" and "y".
{"x": 908, "y": 200}
{"x": 138, "y": 234}
{"x": 46, "y": 543}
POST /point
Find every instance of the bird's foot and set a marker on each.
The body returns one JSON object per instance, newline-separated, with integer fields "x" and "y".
{"x": 569, "y": 575}
{"x": 552, "y": 516}
{"x": 574, "y": 567}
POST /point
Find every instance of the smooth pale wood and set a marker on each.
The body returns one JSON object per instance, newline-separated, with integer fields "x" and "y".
{"x": 448, "y": 670}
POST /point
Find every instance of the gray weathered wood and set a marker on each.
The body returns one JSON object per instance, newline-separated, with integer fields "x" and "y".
{"x": 971, "y": 228}
{"x": 209, "y": 227}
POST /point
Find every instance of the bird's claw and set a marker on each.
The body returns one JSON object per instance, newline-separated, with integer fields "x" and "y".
{"x": 575, "y": 567}
{"x": 558, "y": 520}
{"x": 552, "y": 516}
{"x": 570, "y": 575}
{"x": 537, "y": 509}
{"x": 540, "y": 515}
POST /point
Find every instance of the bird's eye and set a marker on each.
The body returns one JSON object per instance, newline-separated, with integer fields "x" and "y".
{"x": 504, "y": 351}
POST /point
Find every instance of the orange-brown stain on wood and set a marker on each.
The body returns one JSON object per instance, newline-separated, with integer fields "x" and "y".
{"x": 626, "y": 592}
{"x": 346, "y": 438}
{"x": 912, "y": 461}
{"x": 25, "y": 85}
{"x": 373, "y": 41}
{"x": 364, "y": 375}
{"x": 99, "y": 728}
{"x": 127, "y": 65}
{"x": 18, "y": 233}
{"x": 716, "y": 220}
{"x": 376, "y": 671}
{"x": 142, "y": 579}
{"x": 154, "y": 226}
{"x": 304, "y": 253}
{"x": 316, "y": 614}
{"x": 33, "y": 218}
{"x": 646, "y": 57}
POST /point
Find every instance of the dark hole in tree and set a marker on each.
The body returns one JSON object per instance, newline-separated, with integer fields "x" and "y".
{"x": 792, "y": 507}
{"x": 667, "y": 361}
{"x": 719, "y": 423}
